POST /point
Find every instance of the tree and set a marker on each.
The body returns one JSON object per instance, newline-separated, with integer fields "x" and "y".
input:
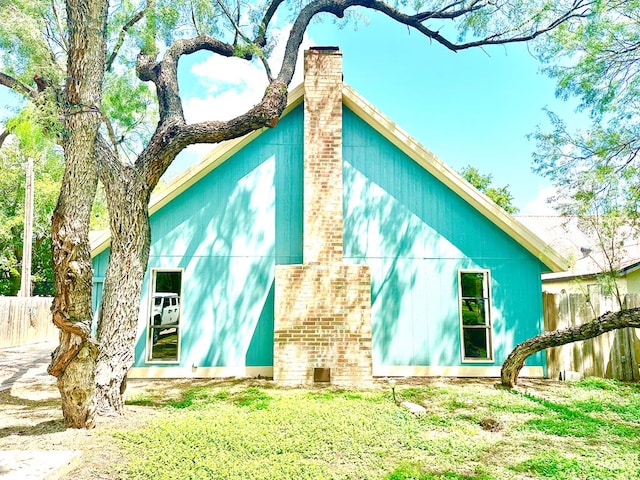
{"x": 606, "y": 323}
{"x": 47, "y": 173}
{"x": 500, "y": 195}
{"x": 597, "y": 64}
{"x": 27, "y": 141}
{"x": 611, "y": 231}
{"x": 596, "y": 172}
{"x": 94, "y": 100}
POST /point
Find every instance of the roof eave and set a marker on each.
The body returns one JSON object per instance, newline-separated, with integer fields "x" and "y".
{"x": 453, "y": 180}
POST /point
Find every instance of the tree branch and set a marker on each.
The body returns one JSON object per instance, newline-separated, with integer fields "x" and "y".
{"x": 125, "y": 29}
{"x": 172, "y": 137}
{"x": 164, "y": 74}
{"x": 17, "y": 86}
{"x": 4, "y": 135}
{"x": 240, "y": 33}
{"x": 234, "y": 23}
{"x": 261, "y": 38}
{"x": 605, "y": 323}
{"x": 579, "y": 8}
{"x": 61, "y": 29}
{"x": 442, "y": 14}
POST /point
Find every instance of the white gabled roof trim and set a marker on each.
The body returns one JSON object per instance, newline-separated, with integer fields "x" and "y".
{"x": 453, "y": 180}
{"x": 395, "y": 135}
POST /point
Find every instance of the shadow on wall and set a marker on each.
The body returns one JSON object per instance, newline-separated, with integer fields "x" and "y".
{"x": 414, "y": 276}
{"x": 420, "y": 233}
{"x": 223, "y": 235}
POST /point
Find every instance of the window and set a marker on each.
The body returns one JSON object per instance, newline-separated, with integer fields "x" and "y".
{"x": 163, "y": 331}
{"x": 475, "y": 315}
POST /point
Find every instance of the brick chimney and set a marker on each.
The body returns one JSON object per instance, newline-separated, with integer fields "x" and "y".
{"x": 322, "y": 324}
{"x": 322, "y": 156}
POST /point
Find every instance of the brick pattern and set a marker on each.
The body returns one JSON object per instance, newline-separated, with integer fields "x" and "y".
{"x": 322, "y": 308}
{"x": 323, "y": 320}
{"x": 322, "y": 157}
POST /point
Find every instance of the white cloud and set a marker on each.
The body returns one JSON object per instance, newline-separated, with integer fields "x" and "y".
{"x": 225, "y": 104}
{"x": 217, "y": 73}
{"x": 234, "y": 85}
{"x": 198, "y": 150}
{"x": 275, "y": 61}
{"x": 540, "y": 205}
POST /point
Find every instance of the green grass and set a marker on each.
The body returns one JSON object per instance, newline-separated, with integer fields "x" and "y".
{"x": 578, "y": 420}
{"x": 410, "y": 471}
{"x": 583, "y": 430}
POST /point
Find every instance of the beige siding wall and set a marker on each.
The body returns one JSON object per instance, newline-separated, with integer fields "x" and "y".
{"x": 633, "y": 282}
{"x": 586, "y": 285}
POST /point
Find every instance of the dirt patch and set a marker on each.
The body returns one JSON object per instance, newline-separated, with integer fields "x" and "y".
{"x": 31, "y": 419}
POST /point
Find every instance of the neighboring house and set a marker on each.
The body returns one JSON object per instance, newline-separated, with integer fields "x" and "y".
{"x": 586, "y": 257}
{"x": 333, "y": 247}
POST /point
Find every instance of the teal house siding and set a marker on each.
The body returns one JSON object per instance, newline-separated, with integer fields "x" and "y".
{"x": 416, "y": 234}
{"x": 227, "y": 232}
{"x": 99, "y": 264}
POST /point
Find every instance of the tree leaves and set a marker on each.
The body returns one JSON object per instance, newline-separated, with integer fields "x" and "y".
{"x": 597, "y": 62}
{"x": 47, "y": 173}
{"x": 500, "y": 195}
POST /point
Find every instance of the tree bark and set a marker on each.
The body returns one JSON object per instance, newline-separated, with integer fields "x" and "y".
{"x": 73, "y": 361}
{"x": 72, "y": 302}
{"x": 128, "y": 200}
{"x": 605, "y": 323}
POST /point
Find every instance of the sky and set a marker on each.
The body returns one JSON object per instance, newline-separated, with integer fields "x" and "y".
{"x": 474, "y": 107}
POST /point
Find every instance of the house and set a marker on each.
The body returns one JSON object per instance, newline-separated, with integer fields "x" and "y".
{"x": 577, "y": 241}
{"x": 333, "y": 247}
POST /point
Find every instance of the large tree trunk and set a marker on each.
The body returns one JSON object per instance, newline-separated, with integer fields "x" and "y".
{"x": 128, "y": 201}
{"x": 73, "y": 361}
{"x": 605, "y": 323}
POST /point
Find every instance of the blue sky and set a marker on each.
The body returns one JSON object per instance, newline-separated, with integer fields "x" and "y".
{"x": 473, "y": 107}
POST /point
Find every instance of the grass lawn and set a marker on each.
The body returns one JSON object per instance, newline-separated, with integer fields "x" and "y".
{"x": 472, "y": 430}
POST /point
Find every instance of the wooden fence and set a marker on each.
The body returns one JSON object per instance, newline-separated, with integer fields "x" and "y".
{"x": 615, "y": 354}
{"x": 612, "y": 355}
{"x": 25, "y": 320}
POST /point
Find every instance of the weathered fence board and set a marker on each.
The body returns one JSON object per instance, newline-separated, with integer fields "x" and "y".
{"x": 615, "y": 354}
{"x": 25, "y": 320}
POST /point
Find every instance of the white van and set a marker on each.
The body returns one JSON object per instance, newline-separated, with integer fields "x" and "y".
{"x": 165, "y": 311}
{"x": 166, "y": 308}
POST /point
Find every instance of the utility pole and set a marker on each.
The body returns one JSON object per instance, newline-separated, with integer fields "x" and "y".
{"x": 25, "y": 284}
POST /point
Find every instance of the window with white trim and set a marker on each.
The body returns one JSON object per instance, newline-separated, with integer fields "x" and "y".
{"x": 475, "y": 315}
{"x": 163, "y": 328}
